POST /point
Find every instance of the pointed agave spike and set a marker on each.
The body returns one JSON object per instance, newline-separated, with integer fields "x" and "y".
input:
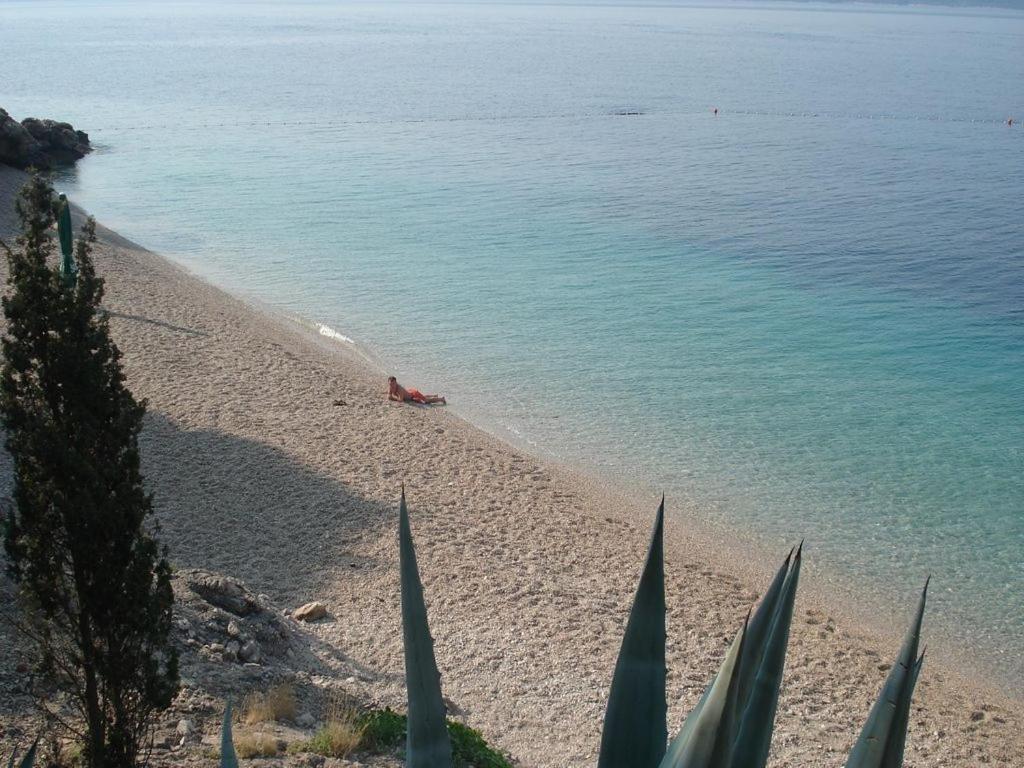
{"x": 757, "y": 631}
{"x": 30, "y": 757}
{"x": 675, "y": 749}
{"x": 894, "y": 753}
{"x": 635, "y": 725}
{"x": 228, "y": 759}
{"x": 754, "y": 737}
{"x": 724, "y": 743}
{"x": 757, "y": 628}
{"x": 695, "y": 746}
{"x": 427, "y": 745}
{"x": 908, "y": 653}
{"x": 883, "y": 738}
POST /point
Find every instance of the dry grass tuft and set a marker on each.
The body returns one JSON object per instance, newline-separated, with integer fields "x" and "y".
{"x": 278, "y": 703}
{"x": 341, "y": 732}
{"x": 248, "y": 745}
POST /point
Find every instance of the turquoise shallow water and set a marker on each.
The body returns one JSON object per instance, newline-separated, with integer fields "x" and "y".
{"x": 805, "y": 314}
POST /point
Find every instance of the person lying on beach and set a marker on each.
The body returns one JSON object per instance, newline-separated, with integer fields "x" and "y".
{"x": 400, "y": 394}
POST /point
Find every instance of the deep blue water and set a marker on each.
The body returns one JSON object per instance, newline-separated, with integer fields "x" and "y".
{"x": 804, "y": 315}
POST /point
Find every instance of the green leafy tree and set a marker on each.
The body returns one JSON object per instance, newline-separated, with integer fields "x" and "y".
{"x": 94, "y": 582}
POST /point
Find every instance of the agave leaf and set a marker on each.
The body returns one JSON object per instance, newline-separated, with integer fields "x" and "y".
{"x": 427, "y": 742}
{"x": 635, "y": 726}
{"x": 754, "y": 737}
{"x": 753, "y": 647}
{"x": 703, "y": 741}
{"x": 757, "y": 630}
{"x": 882, "y": 741}
{"x": 894, "y": 756}
{"x": 676, "y": 747}
{"x": 29, "y": 758}
{"x": 722, "y": 755}
{"x": 228, "y": 758}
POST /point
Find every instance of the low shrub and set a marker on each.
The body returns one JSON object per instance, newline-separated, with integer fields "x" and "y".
{"x": 469, "y": 750}
{"x": 384, "y": 730}
{"x": 342, "y": 731}
{"x": 336, "y": 739}
{"x": 277, "y": 703}
{"x": 248, "y": 745}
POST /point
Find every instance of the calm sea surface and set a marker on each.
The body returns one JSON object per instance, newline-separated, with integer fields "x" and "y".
{"x": 805, "y": 315}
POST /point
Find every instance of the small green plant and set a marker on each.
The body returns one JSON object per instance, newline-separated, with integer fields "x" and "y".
{"x": 342, "y": 730}
{"x": 336, "y": 738}
{"x": 469, "y": 750}
{"x": 383, "y": 729}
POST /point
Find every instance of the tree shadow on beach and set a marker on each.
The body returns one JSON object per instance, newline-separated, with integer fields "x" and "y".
{"x": 248, "y": 509}
{"x": 158, "y": 323}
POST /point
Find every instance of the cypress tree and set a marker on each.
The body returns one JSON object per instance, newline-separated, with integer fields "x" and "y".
{"x": 94, "y": 581}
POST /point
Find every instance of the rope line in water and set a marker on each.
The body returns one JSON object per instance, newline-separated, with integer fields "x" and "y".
{"x": 562, "y": 116}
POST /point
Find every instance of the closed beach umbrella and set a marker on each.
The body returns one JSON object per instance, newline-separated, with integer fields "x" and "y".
{"x": 67, "y": 241}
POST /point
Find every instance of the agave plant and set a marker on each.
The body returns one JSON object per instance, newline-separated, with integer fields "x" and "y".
{"x": 427, "y": 741}
{"x": 228, "y": 758}
{"x": 27, "y": 760}
{"x": 731, "y": 726}
{"x": 884, "y": 736}
{"x": 635, "y": 727}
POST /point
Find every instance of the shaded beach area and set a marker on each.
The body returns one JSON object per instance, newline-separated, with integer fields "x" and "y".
{"x": 275, "y": 457}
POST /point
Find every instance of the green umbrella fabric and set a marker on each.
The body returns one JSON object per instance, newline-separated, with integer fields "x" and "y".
{"x": 67, "y": 240}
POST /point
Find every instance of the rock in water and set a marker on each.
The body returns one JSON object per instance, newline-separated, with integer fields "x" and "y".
{"x": 40, "y": 143}
{"x": 310, "y": 612}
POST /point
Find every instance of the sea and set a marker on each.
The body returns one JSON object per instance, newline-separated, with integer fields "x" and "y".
{"x": 765, "y": 257}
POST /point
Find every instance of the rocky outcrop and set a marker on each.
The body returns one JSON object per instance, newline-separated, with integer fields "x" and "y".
{"x": 223, "y": 592}
{"x": 42, "y": 144}
{"x": 231, "y": 643}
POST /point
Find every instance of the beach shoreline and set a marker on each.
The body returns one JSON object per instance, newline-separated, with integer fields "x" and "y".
{"x": 742, "y": 550}
{"x": 529, "y": 564}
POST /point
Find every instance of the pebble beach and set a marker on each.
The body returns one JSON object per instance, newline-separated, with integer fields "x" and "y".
{"x": 274, "y": 457}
